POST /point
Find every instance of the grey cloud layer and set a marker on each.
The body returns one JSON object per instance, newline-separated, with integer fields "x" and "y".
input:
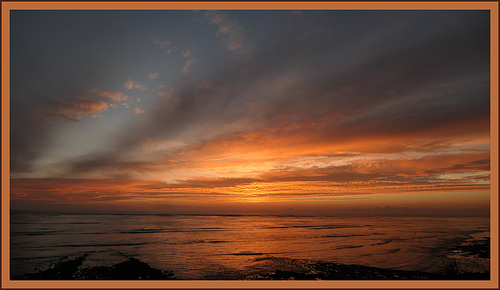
{"x": 387, "y": 74}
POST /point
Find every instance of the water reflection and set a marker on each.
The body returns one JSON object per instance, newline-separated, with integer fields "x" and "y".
{"x": 196, "y": 247}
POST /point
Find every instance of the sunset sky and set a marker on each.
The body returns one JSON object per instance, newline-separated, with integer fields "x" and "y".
{"x": 170, "y": 110}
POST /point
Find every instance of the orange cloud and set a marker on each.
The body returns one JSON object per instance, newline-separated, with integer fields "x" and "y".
{"x": 319, "y": 138}
{"x": 167, "y": 45}
{"x": 74, "y": 109}
{"x": 221, "y": 189}
{"x": 153, "y": 76}
{"x": 114, "y": 95}
{"x": 231, "y": 33}
{"x": 205, "y": 85}
{"x": 84, "y": 190}
{"x": 164, "y": 93}
{"x": 186, "y": 68}
{"x": 129, "y": 84}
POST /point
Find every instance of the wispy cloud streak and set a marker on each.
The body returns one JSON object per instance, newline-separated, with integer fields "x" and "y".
{"x": 231, "y": 33}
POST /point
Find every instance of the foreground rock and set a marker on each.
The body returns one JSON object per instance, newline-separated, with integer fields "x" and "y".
{"x": 266, "y": 268}
{"x": 69, "y": 269}
{"x": 333, "y": 271}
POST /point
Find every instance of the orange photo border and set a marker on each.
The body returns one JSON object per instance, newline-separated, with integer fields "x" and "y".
{"x": 6, "y": 283}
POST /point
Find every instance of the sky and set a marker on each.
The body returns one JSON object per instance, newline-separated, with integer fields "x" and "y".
{"x": 263, "y": 110}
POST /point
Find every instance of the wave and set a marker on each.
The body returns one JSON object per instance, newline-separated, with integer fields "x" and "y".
{"x": 327, "y": 227}
{"x": 211, "y": 229}
{"x": 248, "y": 253}
{"x": 48, "y": 233}
{"x": 100, "y": 245}
{"x": 84, "y": 223}
{"x": 350, "y": 247}
{"x": 383, "y": 242}
{"x": 344, "y": 236}
{"x": 157, "y": 231}
{"x": 393, "y": 251}
{"x": 197, "y": 242}
{"x": 39, "y": 233}
{"x": 146, "y": 231}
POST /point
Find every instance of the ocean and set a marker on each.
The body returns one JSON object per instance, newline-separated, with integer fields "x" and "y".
{"x": 198, "y": 247}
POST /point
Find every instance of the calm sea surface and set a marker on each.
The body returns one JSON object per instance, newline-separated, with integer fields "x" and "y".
{"x": 218, "y": 246}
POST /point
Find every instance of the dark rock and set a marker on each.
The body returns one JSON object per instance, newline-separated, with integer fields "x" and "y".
{"x": 317, "y": 270}
{"x": 64, "y": 269}
{"x": 132, "y": 269}
{"x": 479, "y": 248}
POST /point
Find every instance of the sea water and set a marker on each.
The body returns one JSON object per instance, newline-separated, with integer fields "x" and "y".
{"x": 222, "y": 246}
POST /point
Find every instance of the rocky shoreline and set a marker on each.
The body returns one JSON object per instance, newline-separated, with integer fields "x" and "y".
{"x": 319, "y": 270}
{"x": 69, "y": 269}
{"x": 133, "y": 269}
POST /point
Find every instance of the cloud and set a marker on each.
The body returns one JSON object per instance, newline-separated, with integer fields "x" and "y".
{"x": 237, "y": 189}
{"x": 138, "y": 111}
{"x": 189, "y": 62}
{"x": 73, "y": 109}
{"x": 186, "y": 69}
{"x": 107, "y": 164}
{"x": 36, "y": 113}
{"x": 153, "y": 76}
{"x": 232, "y": 35}
{"x": 111, "y": 94}
{"x": 425, "y": 92}
{"x": 164, "y": 93}
{"x": 362, "y": 177}
{"x": 205, "y": 85}
{"x": 167, "y": 45}
{"x": 318, "y": 114}
{"x": 101, "y": 190}
{"x": 32, "y": 127}
{"x": 71, "y": 189}
{"x": 129, "y": 84}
